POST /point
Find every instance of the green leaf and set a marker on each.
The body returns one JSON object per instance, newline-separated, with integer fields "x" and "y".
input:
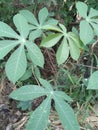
{"x": 82, "y": 9}
{"x": 51, "y": 21}
{"x": 93, "y": 81}
{"x": 37, "y": 72}
{"x": 28, "y": 92}
{"x": 6, "y": 46}
{"x": 74, "y": 50}
{"x": 75, "y": 31}
{"x": 63, "y": 28}
{"x": 26, "y": 75}
{"x": 46, "y": 84}
{"x": 95, "y": 26}
{"x": 76, "y": 39}
{"x": 86, "y": 32}
{"x": 51, "y": 27}
{"x": 62, "y": 52}
{"x": 66, "y": 115}
{"x": 42, "y": 16}
{"x": 39, "y": 118}
{"x": 35, "y": 34}
{"x": 27, "y": 105}
{"x": 93, "y": 13}
{"x": 93, "y": 20}
{"x": 29, "y": 16}
{"x": 21, "y": 24}
{"x": 51, "y": 40}
{"x": 62, "y": 96}
{"x": 35, "y": 54}
{"x": 7, "y": 31}
{"x": 16, "y": 65}
{"x": 33, "y": 27}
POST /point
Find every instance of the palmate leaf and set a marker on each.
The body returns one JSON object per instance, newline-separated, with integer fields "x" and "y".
{"x": 39, "y": 118}
{"x": 28, "y": 92}
{"x": 46, "y": 84}
{"x": 37, "y": 26}
{"x": 86, "y": 34}
{"x": 74, "y": 50}
{"x": 52, "y": 27}
{"x": 51, "y": 21}
{"x": 82, "y": 9}
{"x": 93, "y": 20}
{"x": 16, "y": 64}
{"x": 35, "y": 54}
{"x": 62, "y": 52}
{"x": 51, "y": 40}
{"x": 75, "y": 38}
{"x": 37, "y": 72}
{"x": 6, "y": 46}
{"x": 88, "y": 24}
{"x": 42, "y": 16}
{"x": 30, "y": 17}
{"x": 21, "y": 24}
{"x": 25, "y": 105}
{"x": 66, "y": 115}
{"x": 64, "y": 30}
{"x": 93, "y": 13}
{"x": 95, "y": 26}
{"x": 7, "y": 31}
{"x": 35, "y": 34}
{"x": 70, "y": 43}
{"x": 93, "y": 81}
{"x": 26, "y": 75}
{"x": 62, "y": 96}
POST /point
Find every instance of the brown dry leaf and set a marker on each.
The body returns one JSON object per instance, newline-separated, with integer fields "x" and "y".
{"x": 92, "y": 120}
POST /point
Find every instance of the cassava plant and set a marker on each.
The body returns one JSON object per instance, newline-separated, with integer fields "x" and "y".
{"x": 89, "y": 34}
{"x": 39, "y": 118}
{"x": 22, "y": 49}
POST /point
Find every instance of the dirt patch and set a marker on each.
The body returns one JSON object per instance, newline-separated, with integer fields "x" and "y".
{"x": 9, "y": 114}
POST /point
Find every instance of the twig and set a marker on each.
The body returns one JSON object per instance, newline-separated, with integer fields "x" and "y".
{"x": 87, "y": 66}
{"x": 2, "y": 84}
{"x": 35, "y": 77}
{"x": 21, "y": 123}
{"x": 93, "y": 45}
{"x": 82, "y": 128}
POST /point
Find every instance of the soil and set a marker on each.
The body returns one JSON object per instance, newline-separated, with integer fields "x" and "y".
{"x": 9, "y": 114}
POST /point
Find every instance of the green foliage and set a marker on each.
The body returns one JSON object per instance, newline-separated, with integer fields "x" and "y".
{"x": 25, "y": 57}
{"x": 93, "y": 3}
{"x": 39, "y": 118}
{"x": 26, "y": 1}
{"x": 70, "y": 43}
{"x": 89, "y": 23}
{"x": 6, "y": 10}
{"x": 17, "y": 63}
{"x": 27, "y": 26}
{"x": 66, "y": 114}
{"x": 93, "y": 81}
{"x": 37, "y": 26}
{"x": 25, "y": 105}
